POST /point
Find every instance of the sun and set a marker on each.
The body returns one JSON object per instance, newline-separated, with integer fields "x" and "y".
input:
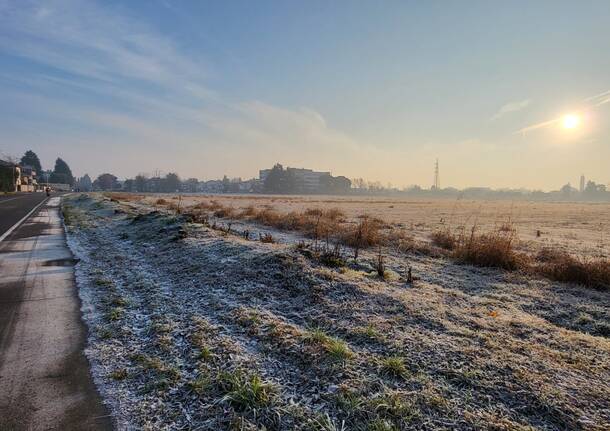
{"x": 570, "y": 121}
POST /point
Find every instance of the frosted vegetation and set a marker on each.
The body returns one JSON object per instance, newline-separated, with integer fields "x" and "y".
{"x": 204, "y": 315}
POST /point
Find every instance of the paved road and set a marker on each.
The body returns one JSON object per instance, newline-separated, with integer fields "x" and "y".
{"x": 45, "y": 382}
{"x": 14, "y": 207}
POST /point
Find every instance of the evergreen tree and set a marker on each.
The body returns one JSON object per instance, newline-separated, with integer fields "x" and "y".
{"x": 31, "y": 159}
{"x": 84, "y": 183}
{"x": 62, "y": 173}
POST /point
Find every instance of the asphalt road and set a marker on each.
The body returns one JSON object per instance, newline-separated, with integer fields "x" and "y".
{"x": 45, "y": 380}
{"x": 13, "y": 207}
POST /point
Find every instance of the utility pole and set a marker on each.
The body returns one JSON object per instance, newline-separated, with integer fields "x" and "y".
{"x": 437, "y": 184}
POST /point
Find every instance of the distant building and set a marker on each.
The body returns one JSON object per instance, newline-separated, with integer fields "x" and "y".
{"x": 263, "y": 174}
{"x": 300, "y": 180}
{"x": 308, "y": 180}
{"x": 582, "y": 184}
{"x": 27, "y": 180}
{"x": 16, "y": 178}
{"x": 212, "y": 186}
{"x": 190, "y": 185}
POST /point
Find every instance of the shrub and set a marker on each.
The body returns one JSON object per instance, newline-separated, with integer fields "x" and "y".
{"x": 334, "y": 214}
{"x": 495, "y": 249}
{"x": 444, "y": 238}
{"x": 365, "y": 234}
{"x": 266, "y": 238}
{"x": 490, "y": 249}
{"x": 548, "y": 254}
{"x": 161, "y": 201}
{"x": 267, "y": 217}
{"x": 561, "y": 266}
{"x": 249, "y": 211}
{"x": 224, "y": 212}
{"x": 332, "y": 257}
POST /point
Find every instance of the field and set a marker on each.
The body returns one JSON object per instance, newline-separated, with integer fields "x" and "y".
{"x": 256, "y": 312}
{"x": 582, "y": 228}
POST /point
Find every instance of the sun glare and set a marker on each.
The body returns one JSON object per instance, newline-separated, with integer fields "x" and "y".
{"x": 570, "y": 121}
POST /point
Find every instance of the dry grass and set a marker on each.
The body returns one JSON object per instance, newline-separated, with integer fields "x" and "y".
{"x": 429, "y": 356}
{"x": 366, "y": 233}
{"x": 328, "y": 228}
{"x": 225, "y": 212}
{"x": 122, "y": 196}
{"x": 267, "y": 238}
{"x": 561, "y": 266}
{"x": 497, "y": 249}
{"x": 444, "y": 238}
{"x": 494, "y": 249}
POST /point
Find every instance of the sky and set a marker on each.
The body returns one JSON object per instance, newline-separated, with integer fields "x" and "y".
{"x": 368, "y": 89}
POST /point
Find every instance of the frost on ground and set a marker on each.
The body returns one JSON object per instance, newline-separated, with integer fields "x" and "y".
{"x": 198, "y": 328}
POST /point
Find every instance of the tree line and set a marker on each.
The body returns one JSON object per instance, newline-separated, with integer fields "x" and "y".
{"x": 61, "y": 174}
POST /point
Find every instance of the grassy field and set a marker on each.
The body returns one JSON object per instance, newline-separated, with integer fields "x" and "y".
{"x": 582, "y": 228}
{"x": 258, "y": 313}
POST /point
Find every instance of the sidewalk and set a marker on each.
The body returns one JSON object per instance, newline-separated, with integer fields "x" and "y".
{"x": 44, "y": 376}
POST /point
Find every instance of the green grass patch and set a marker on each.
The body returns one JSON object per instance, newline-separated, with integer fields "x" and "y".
{"x": 245, "y": 392}
{"x": 335, "y": 348}
{"x": 394, "y": 366}
{"x": 119, "y": 374}
{"x": 201, "y": 384}
{"x": 116, "y": 313}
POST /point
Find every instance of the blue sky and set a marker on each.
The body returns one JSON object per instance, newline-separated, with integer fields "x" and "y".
{"x": 364, "y": 89}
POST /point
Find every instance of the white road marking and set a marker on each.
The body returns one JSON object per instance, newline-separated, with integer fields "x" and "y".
{"x": 16, "y": 225}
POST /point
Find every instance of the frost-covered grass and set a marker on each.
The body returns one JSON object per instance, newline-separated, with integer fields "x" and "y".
{"x": 219, "y": 331}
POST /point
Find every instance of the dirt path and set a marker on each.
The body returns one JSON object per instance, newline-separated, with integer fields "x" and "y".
{"x": 44, "y": 376}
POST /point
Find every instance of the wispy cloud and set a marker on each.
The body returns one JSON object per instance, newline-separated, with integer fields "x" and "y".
{"x": 154, "y": 93}
{"x": 511, "y": 107}
{"x": 84, "y": 39}
{"x": 588, "y": 103}
{"x": 540, "y": 125}
{"x": 599, "y": 99}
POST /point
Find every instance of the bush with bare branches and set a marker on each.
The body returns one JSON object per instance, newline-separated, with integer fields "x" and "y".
{"x": 366, "y": 233}
{"x": 490, "y": 249}
{"x": 561, "y": 266}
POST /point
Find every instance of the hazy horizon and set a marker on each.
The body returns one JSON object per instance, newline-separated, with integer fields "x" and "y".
{"x": 505, "y": 95}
